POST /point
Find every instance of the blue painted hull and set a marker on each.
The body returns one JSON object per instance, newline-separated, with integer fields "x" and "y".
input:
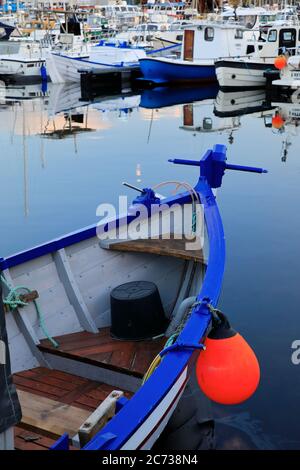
{"x": 159, "y": 71}
{"x": 162, "y": 96}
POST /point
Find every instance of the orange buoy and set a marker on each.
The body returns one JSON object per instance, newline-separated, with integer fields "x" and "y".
{"x": 227, "y": 370}
{"x": 280, "y": 62}
{"x": 277, "y": 121}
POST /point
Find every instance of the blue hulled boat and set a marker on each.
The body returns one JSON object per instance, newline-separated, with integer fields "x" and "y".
{"x": 202, "y": 44}
{"x": 167, "y": 71}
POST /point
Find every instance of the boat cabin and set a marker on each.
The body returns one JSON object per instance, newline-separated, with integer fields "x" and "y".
{"x": 279, "y": 39}
{"x": 211, "y": 41}
{"x": 250, "y": 18}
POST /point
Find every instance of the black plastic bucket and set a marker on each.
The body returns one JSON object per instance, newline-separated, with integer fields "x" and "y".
{"x": 136, "y": 311}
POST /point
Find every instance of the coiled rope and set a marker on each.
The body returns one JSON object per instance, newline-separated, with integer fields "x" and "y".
{"x": 194, "y": 196}
{"x": 14, "y": 301}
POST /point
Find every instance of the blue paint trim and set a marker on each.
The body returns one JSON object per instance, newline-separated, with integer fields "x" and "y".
{"x": 162, "y": 49}
{"x": 62, "y": 443}
{"x": 115, "y": 65}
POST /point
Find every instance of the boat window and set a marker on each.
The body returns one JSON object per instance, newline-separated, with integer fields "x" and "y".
{"x": 287, "y": 36}
{"x": 247, "y": 20}
{"x": 207, "y": 124}
{"x": 209, "y": 34}
{"x": 239, "y": 34}
{"x": 272, "y": 35}
{"x": 250, "y": 49}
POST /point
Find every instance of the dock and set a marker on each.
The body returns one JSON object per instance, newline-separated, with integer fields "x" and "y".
{"x": 95, "y": 81}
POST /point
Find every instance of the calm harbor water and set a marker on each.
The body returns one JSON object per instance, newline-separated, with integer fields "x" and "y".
{"x": 61, "y": 157}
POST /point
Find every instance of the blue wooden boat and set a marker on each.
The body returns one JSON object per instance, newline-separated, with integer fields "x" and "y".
{"x": 163, "y": 70}
{"x": 64, "y": 330}
{"x": 202, "y": 44}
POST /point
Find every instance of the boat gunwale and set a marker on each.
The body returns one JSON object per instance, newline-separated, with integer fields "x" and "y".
{"x": 78, "y": 236}
{"x": 147, "y": 399}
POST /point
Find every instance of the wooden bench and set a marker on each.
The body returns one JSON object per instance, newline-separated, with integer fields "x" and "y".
{"x": 54, "y": 418}
{"x": 50, "y": 416}
{"x": 170, "y": 247}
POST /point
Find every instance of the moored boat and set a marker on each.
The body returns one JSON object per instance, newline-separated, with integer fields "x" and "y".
{"x": 22, "y": 61}
{"x": 71, "y": 56}
{"x": 249, "y": 71}
{"x": 202, "y": 45}
{"x": 289, "y": 74}
{"x": 77, "y": 291}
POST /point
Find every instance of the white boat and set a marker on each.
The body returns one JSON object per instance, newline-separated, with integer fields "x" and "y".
{"x": 21, "y": 60}
{"x": 71, "y": 56}
{"x": 290, "y": 74}
{"x": 248, "y": 72}
{"x": 203, "y": 43}
{"x": 251, "y": 18}
{"x": 154, "y": 35}
{"x": 120, "y": 14}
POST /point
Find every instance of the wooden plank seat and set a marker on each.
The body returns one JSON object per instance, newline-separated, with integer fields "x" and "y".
{"x": 100, "y": 349}
{"x": 54, "y": 402}
{"x": 172, "y": 247}
{"x": 51, "y": 416}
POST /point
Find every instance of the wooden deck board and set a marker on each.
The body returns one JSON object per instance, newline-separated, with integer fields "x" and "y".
{"x": 29, "y": 440}
{"x": 131, "y": 357}
{"x": 172, "y": 247}
{"x": 51, "y": 416}
{"x": 44, "y": 415}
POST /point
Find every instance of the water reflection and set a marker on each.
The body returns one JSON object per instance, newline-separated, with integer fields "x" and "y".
{"x": 287, "y": 118}
{"x": 62, "y": 155}
{"x": 29, "y": 114}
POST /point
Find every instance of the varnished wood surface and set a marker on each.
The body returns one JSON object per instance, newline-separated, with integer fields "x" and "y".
{"x": 174, "y": 248}
{"x": 40, "y": 389}
{"x": 29, "y": 440}
{"x": 51, "y": 416}
{"x": 131, "y": 357}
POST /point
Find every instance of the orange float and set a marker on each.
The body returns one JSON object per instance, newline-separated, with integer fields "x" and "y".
{"x": 227, "y": 370}
{"x": 277, "y": 121}
{"x": 280, "y": 62}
